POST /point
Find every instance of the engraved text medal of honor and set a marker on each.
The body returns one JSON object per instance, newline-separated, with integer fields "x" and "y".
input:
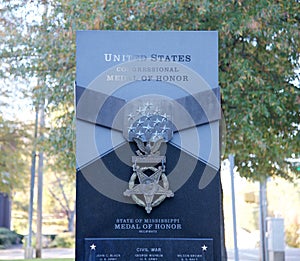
{"x": 149, "y": 125}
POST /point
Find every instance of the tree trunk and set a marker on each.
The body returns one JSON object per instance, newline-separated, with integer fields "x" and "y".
{"x": 39, "y": 234}
{"x": 71, "y": 217}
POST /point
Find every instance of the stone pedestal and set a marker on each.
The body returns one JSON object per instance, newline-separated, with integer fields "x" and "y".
{"x": 147, "y": 146}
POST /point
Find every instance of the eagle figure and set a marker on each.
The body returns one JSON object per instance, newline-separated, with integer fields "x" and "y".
{"x": 151, "y": 147}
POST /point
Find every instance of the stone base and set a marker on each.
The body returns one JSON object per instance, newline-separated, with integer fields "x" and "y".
{"x": 28, "y": 253}
{"x": 276, "y": 256}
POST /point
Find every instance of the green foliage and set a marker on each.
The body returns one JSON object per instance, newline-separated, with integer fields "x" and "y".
{"x": 12, "y": 155}
{"x": 64, "y": 240}
{"x": 8, "y": 238}
{"x": 259, "y": 100}
{"x": 259, "y": 52}
{"x": 292, "y": 236}
{"x": 258, "y": 55}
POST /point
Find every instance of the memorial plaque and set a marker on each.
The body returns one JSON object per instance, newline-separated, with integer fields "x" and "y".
{"x": 148, "y": 249}
{"x": 147, "y": 146}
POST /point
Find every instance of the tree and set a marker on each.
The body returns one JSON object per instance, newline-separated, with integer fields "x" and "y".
{"x": 27, "y": 53}
{"x": 13, "y": 156}
{"x": 63, "y": 192}
{"x": 258, "y": 57}
{"x": 260, "y": 100}
{"x": 259, "y": 53}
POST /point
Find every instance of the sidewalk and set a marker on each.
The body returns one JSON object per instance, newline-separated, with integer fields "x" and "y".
{"x": 18, "y": 253}
{"x": 291, "y": 254}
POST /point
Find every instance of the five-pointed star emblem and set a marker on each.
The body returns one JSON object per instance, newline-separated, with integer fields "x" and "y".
{"x": 149, "y": 187}
{"x": 130, "y": 117}
{"x": 131, "y": 128}
{"x": 140, "y": 111}
{"x": 156, "y": 135}
{"x": 204, "y": 248}
{"x": 139, "y": 134}
{"x": 157, "y": 122}
{"x": 93, "y": 246}
{"x": 148, "y": 127}
{"x": 140, "y": 122}
{"x": 148, "y": 105}
{"x": 165, "y": 128}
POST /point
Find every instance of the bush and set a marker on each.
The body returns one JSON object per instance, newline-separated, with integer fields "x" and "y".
{"x": 292, "y": 235}
{"x": 8, "y": 238}
{"x": 65, "y": 240}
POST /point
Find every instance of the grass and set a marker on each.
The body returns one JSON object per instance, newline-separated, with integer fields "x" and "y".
{"x": 42, "y": 259}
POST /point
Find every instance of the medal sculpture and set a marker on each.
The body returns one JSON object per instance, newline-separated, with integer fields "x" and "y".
{"x": 149, "y": 128}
